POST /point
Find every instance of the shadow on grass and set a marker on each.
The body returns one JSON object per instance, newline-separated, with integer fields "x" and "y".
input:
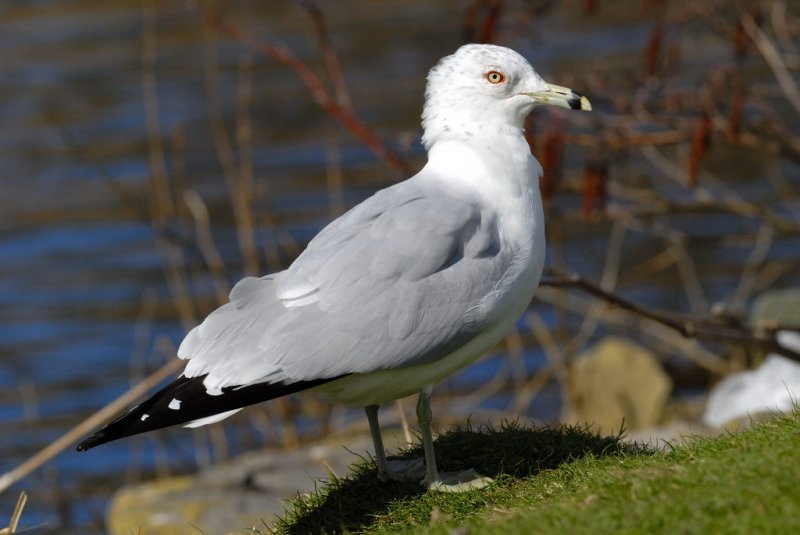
{"x": 357, "y": 502}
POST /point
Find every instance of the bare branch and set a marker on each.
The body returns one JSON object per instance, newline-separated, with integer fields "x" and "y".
{"x": 709, "y": 329}
{"x": 329, "y": 56}
{"x": 774, "y": 59}
{"x": 205, "y": 243}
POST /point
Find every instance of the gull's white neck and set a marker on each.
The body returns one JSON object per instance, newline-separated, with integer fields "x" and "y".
{"x": 502, "y": 174}
{"x": 493, "y": 167}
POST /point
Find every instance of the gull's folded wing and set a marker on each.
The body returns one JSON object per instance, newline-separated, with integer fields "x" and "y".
{"x": 404, "y": 278}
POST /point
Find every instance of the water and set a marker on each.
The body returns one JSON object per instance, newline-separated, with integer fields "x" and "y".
{"x": 83, "y": 300}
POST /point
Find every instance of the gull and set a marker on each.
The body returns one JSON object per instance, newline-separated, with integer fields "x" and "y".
{"x": 401, "y": 291}
{"x": 772, "y": 387}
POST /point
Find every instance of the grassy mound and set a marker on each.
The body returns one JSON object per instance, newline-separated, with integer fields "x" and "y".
{"x": 570, "y": 480}
{"x": 510, "y": 454}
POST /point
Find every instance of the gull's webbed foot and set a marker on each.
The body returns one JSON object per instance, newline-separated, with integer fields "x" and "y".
{"x": 403, "y": 470}
{"x": 458, "y": 481}
{"x": 414, "y": 470}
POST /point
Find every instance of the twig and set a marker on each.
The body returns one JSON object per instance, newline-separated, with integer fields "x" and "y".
{"x": 163, "y": 208}
{"x": 239, "y": 186}
{"x": 774, "y": 60}
{"x": 690, "y": 348}
{"x": 12, "y": 525}
{"x": 515, "y": 355}
{"x": 486, "y": 31}
{"x": 778, "y": 18}
{"x": 773, "y": 271}
{"x": 329, "y": 56}
{"x": 492, "y": 387}
{"x": 554, "y": 368}
{"x": 245, "y": 221}
{"x": 687, "y": 271}
{"x": 333, "y": 173}
{"x": 608, "y": 281}
{"x": 129, "y": 200}
{"x": 98, "y": 418}
{"x": 748, "y": 278}
{"x": 704, "y": 329}
{"x": 401, "y": 413}
{"x": 205, "y": 242}
{"x": 727, "y": 201}
{"x": 155, "y": 152}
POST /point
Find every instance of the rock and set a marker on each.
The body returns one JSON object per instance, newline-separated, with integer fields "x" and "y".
{"x": 166, "y": 506}
{"x": 667, "y": 436}
{"x": 232, "y": 496}
{"x": 617, "y": 380}
{"x": 779, "y": 306}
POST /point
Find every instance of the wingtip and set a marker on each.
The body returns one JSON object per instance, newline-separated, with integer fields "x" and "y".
{"x": 90, "y": 442}
{"x": 98, "y": 437}
{"x": 158, "y": 411}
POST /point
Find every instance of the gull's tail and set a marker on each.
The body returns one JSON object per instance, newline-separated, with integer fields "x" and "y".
{"x": 186, "y": 400}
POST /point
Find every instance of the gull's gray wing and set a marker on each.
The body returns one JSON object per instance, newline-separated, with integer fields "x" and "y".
{"x": 403, "y": 278}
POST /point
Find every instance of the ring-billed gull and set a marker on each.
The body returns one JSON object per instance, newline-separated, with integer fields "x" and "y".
{"x": 401, "y": 291}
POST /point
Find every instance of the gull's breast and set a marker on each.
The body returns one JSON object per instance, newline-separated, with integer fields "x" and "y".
{"x": 382, "y": 386}
{"x": 522, "y": 229}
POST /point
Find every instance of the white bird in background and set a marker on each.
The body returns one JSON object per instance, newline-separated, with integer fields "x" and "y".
{"x": 404, "y": 289}
{"x": 773, "y": 387}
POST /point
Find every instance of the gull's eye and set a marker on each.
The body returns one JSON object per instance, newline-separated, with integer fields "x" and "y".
{"x": 495, "y": 77}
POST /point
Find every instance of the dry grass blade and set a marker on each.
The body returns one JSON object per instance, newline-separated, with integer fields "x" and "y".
{"x": 12, "y": 525}
{"x": 404, "y": 422}
{"x": 90, "y": 423}
{"x": 774, "y": 59}
{"x": 238, "y": 177}
{"x": 163, "y": 203}
{"x": 205, "y": 242}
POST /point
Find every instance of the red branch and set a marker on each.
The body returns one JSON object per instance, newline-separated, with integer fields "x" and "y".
{"x": 319, "y": 93}
{"x": 652, "y": 50}
{"x": 485, "y": 30}
{"x": 552, "y": 159}
{"x": 595, "y": 185}
{"x": 701, "y": 141}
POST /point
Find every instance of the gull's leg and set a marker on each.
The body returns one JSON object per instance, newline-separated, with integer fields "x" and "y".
{"x": 444, "y": 482}
{"x": 398, "y": 469}
{"x": 377, "y": 441}
{"x": 424, "y": 418}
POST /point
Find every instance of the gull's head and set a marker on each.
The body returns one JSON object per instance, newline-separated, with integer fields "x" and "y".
{"x": 486, "y": 89}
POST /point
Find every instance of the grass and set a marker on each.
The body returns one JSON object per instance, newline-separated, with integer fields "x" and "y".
{"x": 568, "y": 479}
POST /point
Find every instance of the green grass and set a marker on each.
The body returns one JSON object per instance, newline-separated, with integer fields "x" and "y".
{"x": 570, "y": 480}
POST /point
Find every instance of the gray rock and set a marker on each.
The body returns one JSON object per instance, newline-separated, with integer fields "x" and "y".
{"x": 232, "y": 496}
{"x": 778, "y": 306}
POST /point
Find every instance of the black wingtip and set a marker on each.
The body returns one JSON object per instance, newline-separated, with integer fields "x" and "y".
{"x": 195, "y": 403}
{"x": 94, "y": 440}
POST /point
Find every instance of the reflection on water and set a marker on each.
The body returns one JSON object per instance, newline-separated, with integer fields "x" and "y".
{"x": 82, "y": 293}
